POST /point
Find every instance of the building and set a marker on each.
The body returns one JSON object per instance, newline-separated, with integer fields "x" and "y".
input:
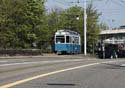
{"x": 114, "y": 36}
{"x": 113, "y": 41}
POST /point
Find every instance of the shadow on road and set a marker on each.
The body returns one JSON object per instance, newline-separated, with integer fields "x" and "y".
{"x": 60, "y": 84}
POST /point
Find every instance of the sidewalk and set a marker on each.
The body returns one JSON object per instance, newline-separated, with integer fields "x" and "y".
{"x": 78, "y": 56}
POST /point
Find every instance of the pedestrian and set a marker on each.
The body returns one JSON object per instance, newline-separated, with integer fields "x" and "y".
{"x": 113, "y": 52}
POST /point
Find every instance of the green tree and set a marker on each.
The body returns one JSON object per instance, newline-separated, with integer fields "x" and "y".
{"x": 67, "y": 20}
{"x": 104, "y": 26}
{"x": 93, "y": 27}
{"x": 5, "y": 21}
{"x": 23, "y": 22}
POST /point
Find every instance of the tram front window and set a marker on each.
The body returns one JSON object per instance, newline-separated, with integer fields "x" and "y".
{"x": 60, "y": 39}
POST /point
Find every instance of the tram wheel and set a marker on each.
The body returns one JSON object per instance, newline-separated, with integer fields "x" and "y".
{"x": 58, "y": 52}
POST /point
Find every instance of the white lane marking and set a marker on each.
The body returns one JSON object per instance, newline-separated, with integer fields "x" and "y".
{"x": 122, "y": 65}
{"x": 43, "y": 62}
{"x": 4, "y": 61}
{"x": 54, "y": 72}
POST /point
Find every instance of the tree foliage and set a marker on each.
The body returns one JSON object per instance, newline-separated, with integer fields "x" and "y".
{"x": 21, "y": 22}
{"x": 67, "y": 20}
{"x": 25, "y": 23}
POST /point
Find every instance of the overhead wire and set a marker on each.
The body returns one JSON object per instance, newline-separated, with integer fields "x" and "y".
{"x": 112, "y": 9}
{"x": 117, "y": 3}
{"x": 72, "y": 2}
{"x": 122, "y": 1}
{"x": 62, "y": 2}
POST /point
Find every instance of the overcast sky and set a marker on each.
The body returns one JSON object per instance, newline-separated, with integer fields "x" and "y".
{"x": 113, "y": 11}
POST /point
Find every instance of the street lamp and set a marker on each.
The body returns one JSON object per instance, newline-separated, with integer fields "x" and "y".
{"x": 77, "y": 18}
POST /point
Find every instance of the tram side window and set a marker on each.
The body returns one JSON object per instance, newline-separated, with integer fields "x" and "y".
{"x": 60, "y": 39}
{"x": 67, "y": 39}
{"x": 76, "y": 40}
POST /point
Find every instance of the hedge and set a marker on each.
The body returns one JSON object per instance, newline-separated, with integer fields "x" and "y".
{"x": 12, "y": 52}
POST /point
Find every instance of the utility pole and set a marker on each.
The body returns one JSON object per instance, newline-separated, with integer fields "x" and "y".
{"x": 85, "y": 28}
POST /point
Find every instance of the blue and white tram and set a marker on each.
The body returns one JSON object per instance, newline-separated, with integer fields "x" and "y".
{"x": 67, "y": 41}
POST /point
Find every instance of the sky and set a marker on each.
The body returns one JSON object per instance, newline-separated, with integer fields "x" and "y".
{"x": 113, "y": 11}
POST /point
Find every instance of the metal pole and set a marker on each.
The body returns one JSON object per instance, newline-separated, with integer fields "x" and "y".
{"x": 85, "y": 27}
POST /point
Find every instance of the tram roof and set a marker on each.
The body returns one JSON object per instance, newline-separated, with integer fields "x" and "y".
{"x": 66, "y": 32}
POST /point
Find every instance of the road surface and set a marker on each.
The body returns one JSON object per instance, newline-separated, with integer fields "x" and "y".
{"x": 62, "y": 73}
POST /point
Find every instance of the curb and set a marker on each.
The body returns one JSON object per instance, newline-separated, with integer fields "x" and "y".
{"x": 79, "y": 56}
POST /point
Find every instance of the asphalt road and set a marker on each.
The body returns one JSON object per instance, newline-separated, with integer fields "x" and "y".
{"x": 62, "y": 73}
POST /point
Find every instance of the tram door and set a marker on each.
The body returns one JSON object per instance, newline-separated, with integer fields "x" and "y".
{"x": 76, "y": 45}
{"x": 73, "y": 45}
{"x": 70, "y": 44}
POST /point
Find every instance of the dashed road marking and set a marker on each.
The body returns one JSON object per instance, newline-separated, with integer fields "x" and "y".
{"x": 122, "y": 65}
{"x": 4, "y": 61}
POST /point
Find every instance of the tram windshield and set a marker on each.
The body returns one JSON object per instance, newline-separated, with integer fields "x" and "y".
{"x": 60, "y": 39}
